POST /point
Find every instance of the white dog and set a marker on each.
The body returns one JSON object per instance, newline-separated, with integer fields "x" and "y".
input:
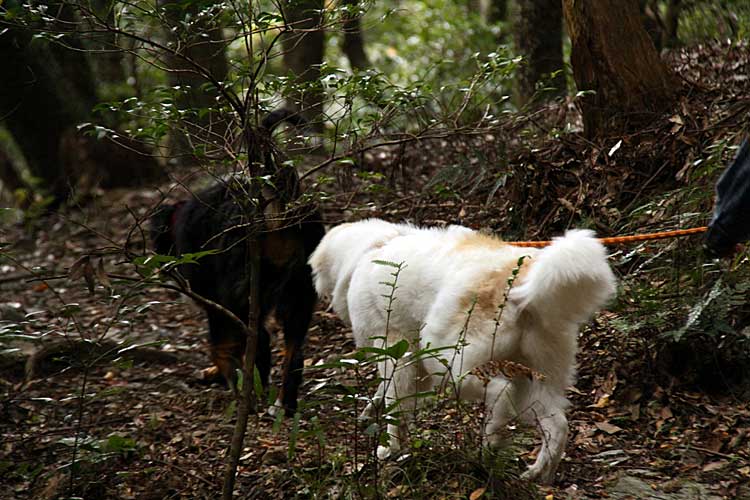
{"x": 451, "y": 295}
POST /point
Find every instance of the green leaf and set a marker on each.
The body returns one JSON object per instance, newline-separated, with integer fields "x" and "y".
{"x": 293, "y": 434}
{"x": 277, "y": 422}
{"x": 397, "y": 350}
{"x": 387, "y": 263}
{"x": 118, "y": 444}
{"x": 271, "y": 396}
{"x": 257, "y": 383}
{"x": 231, "y": 409}
{"x": 240, "y": 379}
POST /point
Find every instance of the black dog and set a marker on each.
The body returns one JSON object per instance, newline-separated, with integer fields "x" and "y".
{"x": 215, "y": 219}
{"x": 730, "y": 224}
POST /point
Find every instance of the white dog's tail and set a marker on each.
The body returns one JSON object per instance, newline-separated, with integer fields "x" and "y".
{"x": 567, "y": 281}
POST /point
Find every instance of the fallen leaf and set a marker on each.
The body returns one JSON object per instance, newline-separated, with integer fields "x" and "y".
{"x": 101, "y": 275}
{"x": 395, "y": 491}
{"x": 671, "y": 486}
{"x": 603, "y": 402}
{"x": 78, "y": 267}
{"x": 714, "y": 465}
{"x": 568, "y": 205}
{"x": 677, "y": 119}
{"x": 477, "y": 493}
{"x": 607, "y": 427}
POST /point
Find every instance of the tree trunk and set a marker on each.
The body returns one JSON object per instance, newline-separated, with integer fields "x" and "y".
{"x": 354, "y": 44}
{"x": 539, "y": 40}
{"x": 613, "y": 56}
{"x": 256, "y": 223}
{"x": 303, "y": 55}
{"x": 201, "y": 45}
{"x": 247, "y": 397}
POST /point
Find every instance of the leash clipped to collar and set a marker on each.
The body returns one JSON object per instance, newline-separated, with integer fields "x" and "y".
{"x": 621, "y": 240}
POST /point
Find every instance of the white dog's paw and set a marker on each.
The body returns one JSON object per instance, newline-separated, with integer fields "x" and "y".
{"x": 530, "y": 475}
{"x": 540, "y": 475}
{"x": 276, "y": 408}
{"x": 392, "y": 454}
{"x": 384, "y": 452}
{"x": 368, "y": 412}
{"x": 372, "y": 408}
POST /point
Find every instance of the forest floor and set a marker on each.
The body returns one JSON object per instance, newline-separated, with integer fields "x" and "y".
{"x": 148, "y": 427}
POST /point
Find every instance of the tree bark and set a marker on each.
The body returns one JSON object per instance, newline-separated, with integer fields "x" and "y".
{"x": 539, "y": 39}
{"x": 613, "y": 56}
{"x": 354, "y": 44}
{"x": 303, "y": 55}
{"x": 247, "y": 398}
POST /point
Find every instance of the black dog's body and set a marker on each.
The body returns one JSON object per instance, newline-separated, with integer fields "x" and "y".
{"x": 731, "y": 220}
{"x": 215, "y": 219}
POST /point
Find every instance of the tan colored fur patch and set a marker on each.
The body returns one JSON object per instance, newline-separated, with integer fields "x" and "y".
{"x": 226, "y": 356}
{"x": 277, "y": 248}
{"x": 479, "y": 240}
{"x": 490, "y": 291}
{"x": 273, "y": 216}
{"x": 211, "y": 373}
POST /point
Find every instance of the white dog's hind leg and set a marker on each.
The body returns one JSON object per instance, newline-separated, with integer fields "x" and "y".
{"x": 547, "y": 412}
{"x": 502, "y": 398}
{"x": 375, "y": 403}
{"x": 400, "y": 387}
{"x": 537, "y": 406}
{"x": 276, "y": 408}
{"x": 554, "y": 429}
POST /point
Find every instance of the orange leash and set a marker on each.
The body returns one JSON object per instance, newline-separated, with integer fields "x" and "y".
{"x": 619, "y": 240}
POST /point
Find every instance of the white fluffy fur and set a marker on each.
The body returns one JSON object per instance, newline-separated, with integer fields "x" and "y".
{"x": 447, "y": 273}
{"x": 341, "y": 250}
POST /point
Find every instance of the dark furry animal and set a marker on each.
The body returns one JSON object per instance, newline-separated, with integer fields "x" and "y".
{"x": 215, "y": 219}
{"x": 730, "y": 224}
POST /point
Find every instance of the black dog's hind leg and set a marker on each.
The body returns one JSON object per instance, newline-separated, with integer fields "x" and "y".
{"x": 294, "y": 312}
{"x": 228, "y": 349}
{"x": 227, "y": 346}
